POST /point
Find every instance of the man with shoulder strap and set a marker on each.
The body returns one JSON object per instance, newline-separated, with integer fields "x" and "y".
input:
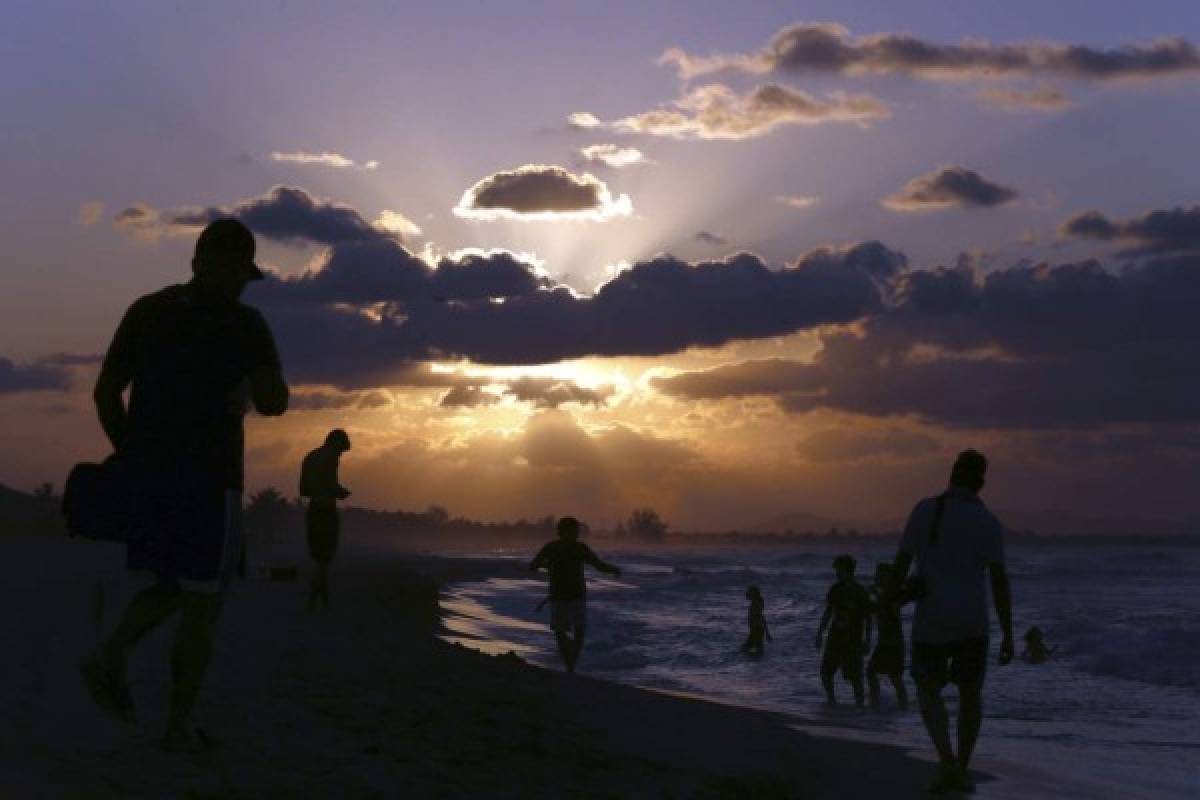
{"x": 955, "y": 541}
{"x": 194, "y": 358}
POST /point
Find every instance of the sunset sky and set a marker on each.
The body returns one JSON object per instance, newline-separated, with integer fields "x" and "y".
{"x": 729, "y": 260}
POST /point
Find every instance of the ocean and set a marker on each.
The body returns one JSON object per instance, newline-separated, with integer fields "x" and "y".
{"x": 1119, "y": 704}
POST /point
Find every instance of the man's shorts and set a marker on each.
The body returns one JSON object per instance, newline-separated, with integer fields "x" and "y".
{"x": 963, "y": 663}
{"x": 888, "y": 659}
{"x": 567, "y": 614}
{"x": 322, "y": 526}
{"x": 844, "y": 656}
{"x": 188, "y": 534}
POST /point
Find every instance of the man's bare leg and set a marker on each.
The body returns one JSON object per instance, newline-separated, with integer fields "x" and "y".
{"x": 970, "y": 717}
{"x": 937, "y": 723}
{"x": 827, "y": 684}
{"x": 901, "y": 690}
{"x": 873, "y": 687}
{"x": 566, "y": 649}
{"x": 190, "y": 656}
{"x": 104, "y": 671}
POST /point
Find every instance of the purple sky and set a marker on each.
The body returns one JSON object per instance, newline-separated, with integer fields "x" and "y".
{"x": 961, "y": 135}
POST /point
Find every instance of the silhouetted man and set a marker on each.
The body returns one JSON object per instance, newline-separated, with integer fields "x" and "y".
{"x": 848, "y": 618}
{"x": 319, "y": 483}
{"x": 955, "y": 541}
{"x": 564, "y": 559}
{"x": 194, "y": 357}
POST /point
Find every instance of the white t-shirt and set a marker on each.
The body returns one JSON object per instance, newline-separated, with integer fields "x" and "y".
{"x": 955, "y": 568}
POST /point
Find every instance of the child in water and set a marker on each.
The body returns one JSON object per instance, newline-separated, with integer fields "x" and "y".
{"x": 888, "y": 658}
{"x": 757, "y": 622}
{"x": 1036, "y": 651}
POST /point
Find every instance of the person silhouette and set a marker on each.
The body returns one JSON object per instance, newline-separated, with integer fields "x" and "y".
{"x": 757, "y": 622}
{"x": 1036, "y": 651}
{"x": 955, "y": 541}
{"x": 319, "y": 483}
{"x": 848, "y": 618}
{"x": 194, "y": 358}
{"x": 564, "y": 559}
{"x": 888, "y": 656}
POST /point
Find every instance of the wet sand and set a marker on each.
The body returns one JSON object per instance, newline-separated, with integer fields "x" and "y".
{"x": 363, "y": 700}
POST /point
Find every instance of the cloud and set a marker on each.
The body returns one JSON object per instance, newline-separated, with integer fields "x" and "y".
{"x": 396, "y": 222}
{"x": 332, "y": 400}
{"x": 949, "y": 187}
{"x": 539, "y": 192}
{"x": 44, "y": 374}
{"x": 285, "y": 214}
{"x": 850, "y": 444}
{"x": 717, "y": 112}
{"x": 796, "y": 200}
{"x": 1159, "y": 231}
{"x": 538, "y": 392}
{"x": 373, "y": 309}
{"x": 90, "y": 213}
{"x": 1034, "y": 346}
{"x": 1039, "y": 98}
{"x": 335, "y": 160}
{"x": 829, "y": 48}
{"x": 710, "y": 238}
{"x": 583, "y": 119}
{"x": 552, "y": 393}
{"x": 468, "y": 397}
{"x": 613, "y": 155}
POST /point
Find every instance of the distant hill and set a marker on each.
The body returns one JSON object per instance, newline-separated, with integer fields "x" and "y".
{"x": 23, "y": 512}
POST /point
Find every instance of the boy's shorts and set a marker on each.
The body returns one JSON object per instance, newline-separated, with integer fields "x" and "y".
{"x": 567, "y": 614}
{"x": 843, "y": 655}
{"x": 963, "y": 663}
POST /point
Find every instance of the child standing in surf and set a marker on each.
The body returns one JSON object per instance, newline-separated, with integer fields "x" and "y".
{"x": 757, "y": 621}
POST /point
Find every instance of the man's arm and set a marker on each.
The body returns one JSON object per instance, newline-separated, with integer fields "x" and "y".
{"x": 1002, "y": 598}
{"x": 110, "y": 406}
{"x": 268, "y": 390}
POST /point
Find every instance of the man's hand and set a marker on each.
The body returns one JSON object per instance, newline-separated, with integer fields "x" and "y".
{"x": 343, "y": 494}
{"x": 1006, "y": 650}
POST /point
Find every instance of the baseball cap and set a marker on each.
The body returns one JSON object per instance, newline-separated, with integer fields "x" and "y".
{"x": 229, "y": 240}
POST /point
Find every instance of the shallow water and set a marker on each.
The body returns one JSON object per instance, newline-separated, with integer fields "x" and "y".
{"x": 1119, "y": 703}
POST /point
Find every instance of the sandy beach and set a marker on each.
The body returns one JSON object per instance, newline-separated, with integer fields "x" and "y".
{"x": 365, "y": 701}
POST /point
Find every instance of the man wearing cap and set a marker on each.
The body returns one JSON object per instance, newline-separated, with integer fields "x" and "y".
{"x": 955, "y": 541}
{"x": 319, "y": 483}
{"x": 193, "y": 357}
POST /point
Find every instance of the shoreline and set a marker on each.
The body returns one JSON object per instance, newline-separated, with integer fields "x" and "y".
{"x": 365, "y": 701}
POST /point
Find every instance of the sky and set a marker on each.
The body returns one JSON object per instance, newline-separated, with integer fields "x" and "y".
{"x": 727, "y": 260}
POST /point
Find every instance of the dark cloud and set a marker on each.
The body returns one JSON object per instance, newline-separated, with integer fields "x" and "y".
{"x": 1038, "y": 346}
{"x": 541, "y": 192}
{"x": 373, "y": 309}
{"x": 710, "y": 238}
{"x": 829, "y": 47}
{"x": 326, "y": 400}
{"x": 552, "y": 393}
{"x": 48, "y": 374}
{"x": 846, "y": 444}
{"x": 284, "y": 214}
{"x": 949, "y": 187}
{"x": 468, "y": 397}
{"x": 1160, "y": 231}
{"x": 538, "y": 392}
{"x": 717, "y": 112}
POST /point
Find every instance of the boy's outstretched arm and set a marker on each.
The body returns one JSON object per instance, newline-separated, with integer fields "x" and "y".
{"x": 595, "y": 560}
